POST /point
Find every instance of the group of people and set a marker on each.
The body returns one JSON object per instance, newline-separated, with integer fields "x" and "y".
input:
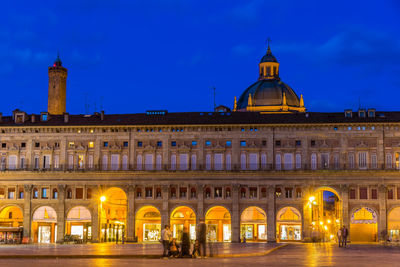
{"x": 342, "y": 234}
{"x": 171, "y": 248}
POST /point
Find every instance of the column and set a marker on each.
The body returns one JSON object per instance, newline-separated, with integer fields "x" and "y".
{"x": 200, "y": 204}
{"x": 382, "y": 218}
{"x": 271, "y": 216}
{"x": 95, "y": 221}
{"x": 345, "y": 206}
{"x": 130, "y": 218}
{"x": 27, "y": 211}
{"x": 165, "y": 209}
{"x": 235, "y": 222}
{"x": 307, "y": 214}
{"x": 60, "y": 210}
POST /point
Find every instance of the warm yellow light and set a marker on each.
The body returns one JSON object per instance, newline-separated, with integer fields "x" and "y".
{"x": 329, "y": 221}
{"x": 326, "y": 227}
{"x": 91, "y": 144}
{"x": 331, "y": 236}
{"x": 315, "y": 202}
{"x": 313, "y": 223}
{"x": 102, "y": 198}
{"x": 321, "y": 222}
{"x": 311, "y": 199}
{"x": 337, "y": 220}
{"x": 91, "y": 130}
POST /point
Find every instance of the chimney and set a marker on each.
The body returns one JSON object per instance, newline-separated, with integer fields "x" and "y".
{"x": 66, "y": 117}
{"x": 33, "y": 118}
{"x": 102, "y": 115}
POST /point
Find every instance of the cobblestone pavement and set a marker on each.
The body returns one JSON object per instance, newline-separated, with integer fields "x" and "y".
{"x": 291, "y": 255}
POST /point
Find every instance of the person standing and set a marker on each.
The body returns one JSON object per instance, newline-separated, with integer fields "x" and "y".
{"x": 202, "y": 237}
{"x": 165, "y": 239}
{"x": 185, "y": 243}
{"x": 345, "y": 233}
{"x": 339, "y": 237}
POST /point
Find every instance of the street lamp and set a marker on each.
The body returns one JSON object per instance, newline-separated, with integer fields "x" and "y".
{"x": 103, "y": 198}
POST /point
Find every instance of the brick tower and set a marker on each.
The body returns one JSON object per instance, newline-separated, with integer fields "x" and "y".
{"x": 57, "y": 88}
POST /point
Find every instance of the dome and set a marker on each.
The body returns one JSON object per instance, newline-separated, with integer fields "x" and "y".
{"x": 268, "y": 93}
{"x": 268, "y": 57}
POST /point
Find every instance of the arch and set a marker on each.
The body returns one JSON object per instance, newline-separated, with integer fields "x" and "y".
{"x": 218, "y": 220}
{"x": 11, "y": 216}
{"x": 253, "y": 224}
{"x": 148, "y": 224}
{"x": 183, "y": 217}
{"x": 394, "y": 224}
{"x": 328, "y": 188}
{"x": 44, "y": 225}
{"x": 364, "y": 225}
{"x": 288, "y": 220}
{"x": 113, "y": 210}
{"x": 79, "y": 222}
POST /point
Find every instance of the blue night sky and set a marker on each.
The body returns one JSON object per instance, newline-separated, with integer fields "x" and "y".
{"x": 131, "y": 56}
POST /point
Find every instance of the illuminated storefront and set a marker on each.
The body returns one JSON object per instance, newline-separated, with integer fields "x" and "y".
{"x": 218, "y": 220}
{"x": 253, "y": 224}
{"x": 363, "y": 225}
{"x": 11, "y": 219}
{"x": 394, "y": 224}
{"x": 79, "y": 223}
{"x": 44, "y": 225}
{"x": 183, "y": 217}
{"x": 148, "y": 224}
{"x": 289, "y": 224}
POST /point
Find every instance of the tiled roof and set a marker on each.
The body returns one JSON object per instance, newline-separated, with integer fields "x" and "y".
{"x": 209, "y": 118}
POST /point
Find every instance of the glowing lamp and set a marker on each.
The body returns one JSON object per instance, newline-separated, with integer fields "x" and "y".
{"x": 315, "y": 202}
{"x": 329, "y": 221}
{"x": 311, "y": 199}
{"x": 102, "y": 198}
{"x": 321, "y": 222}
{"x": 326, "y": 227}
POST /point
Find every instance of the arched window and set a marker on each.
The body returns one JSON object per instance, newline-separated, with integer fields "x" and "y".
{"x": 158, "y": 193}
{"x": 55, "y": 193}
{"x": 35, "y": 194}
{"x": 138, "y": 192}
{"x": 228, "y": 192}
{"x": 208, "y": 192}
{"x": 89, "y": 193}
{"x": 193, "y": 192}
{"x": 69, "y": 193}
{"x": 173, "y": 192}
{"x": 243, "y": 192}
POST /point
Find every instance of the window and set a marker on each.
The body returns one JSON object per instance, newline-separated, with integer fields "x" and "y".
{"x": 352, "y": 193}
{"x": 298, "y": 161}
{"x": 218, "y": 161}
{"x": 253, "y": 192}
{"x": 90, "y": 162}
{"x": 263, "y": 161}
{"x": 158, "y": 193}
{"x": 3, "y": 145}
{"x": 398, "y": 192}
{"x": 208, "y": 192}
{"x": 278, "y": 163}
{"x": 182, "y": 192}
{"x": 228, "y": 192}
{"x": 193, "y": 192}
{"x": 21, "y": 193}
{"x": 159, "y": 143}
{"x": 70, "y": 162}
{"x": 298, "y": 142}
{"x": 105, "y": 144}
{"x": 149, "y": 192}
{"x": 55, "y": 194}
{"x": 278, "y": 143}
{"x": 12, "y": 162}
{"x": 218, "y": 192}
{"x": 228, "y": 143}
{"x": 374, "y": 193}
{"x": 253, "y": 161}
{"x": 264, "y": 142}
{"x": 173, "y": 192}
{"x": 351, "y": 161}
{"x": 193, "y": 162}
{"x": 138, "y": 192}
{"x": 313, "y": 161}
{"x": 242, "y": 192}
{"x": 45, "y": 193}
{"x": 104, "y": 162}
{"x": 91, "y": 144}
{"x": 71, "y": 144}
{"x": 263, "y": 192}
{"x": 278, "y": 192}
{"x": 362, "y": 160}
{"x": 389, "y": 161}
{"x": 79, "y": 193}
{"x": 23, "y": 144}
{"x": 173, "y": 162}
{"x": 298, "y": 192}
{"x": 35, "y": 194}
{"x": 173, "y": 143}
{"x": 148, "y": 162}
{"x": 183, "y": 162}
{"x": 228, "y": 162}
{"x": 325, "y": 161}
{"x": 363, "y": 193}
{"x": 56, "y": 144}
{"x": 288, "y": 161}
{"x": 69, "y": 193}
{"x": 125, "y": 144}
{"x": 89, "y": 193}
{"x": 243, "y": 161}
{"x": 194, "y": 143}
{"x": 288, "y": 192}
{"x": 390, "y": 194}
{"x": 11, "y": 193}
{"x": 124, "y": 162}
{"x": 208, "y": 143}
{"x": 2, "y": 196}
{"x": 312, "y": 143}
{"x": 37, "y": 144}
{"x": 36, "y": 162}
{"x": 242, "y": 143}
{"x": 208, "y": 162}
{"x": 139, "y": 144}
{"x": 139, "y": 162}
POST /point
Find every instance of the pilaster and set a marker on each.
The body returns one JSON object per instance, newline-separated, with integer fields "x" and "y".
{"x": 382, "y": 218}
{"x": 165, "y": 208}
{"x": 235, "y": 222}
{"x": 271, "y": 216}
{"x": 27, "y": 223}
{"x": 60, "y": 210}
{"x": 130, "y": 218}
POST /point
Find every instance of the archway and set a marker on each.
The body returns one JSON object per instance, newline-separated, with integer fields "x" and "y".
{"x": 79, "y": 223}
{"x": 363, "y": 225}
{"x": 183, "y": 217}
{"x": 288, "y": 222}
{"x": 11, "y": 220}
{"x": 218, "y": 220}
{"x": 326, "y": 213}
{"x": 148, "y": 224}
{"x": 44, "y": 225}
{"x": 394, "y": 224}
{"x": 113, "y": 209}
{"x": 253, "y": 224}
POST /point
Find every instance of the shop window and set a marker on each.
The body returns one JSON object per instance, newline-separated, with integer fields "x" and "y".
{"x": 352, "y": 193}
{"x": 253, "y": 192}
{"x": 21, "y": 193}
{"x": 263, "y": 192}
{"x": 228, "y": 192}
{"x": 193, "y": 192}
{"x": 69, "y": 193}
{"x": 89, "y": 193}
{"x": 218, "y": 192}
{"x": 149, "y": 192}
{"x": 208, "y": 192}
{"x": 390, "y": 194}
{"x": 288, "y": 192}
{"x": 158, "y": 193}
{"x": 242, "y": 192}
{"x": 138, "y": 192}
{"x": 298, "y": 192}
{"x": 79, "y": 193}
{"x": 278, "y": 192}
{"x": 35, "y": 193}
{"x": 374, "y": 193}
{"x": 55, "y": 193}
{"x": 182, "y": 192}
{"x": 173, "y": 192}
{"x": 363, "y": 193}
